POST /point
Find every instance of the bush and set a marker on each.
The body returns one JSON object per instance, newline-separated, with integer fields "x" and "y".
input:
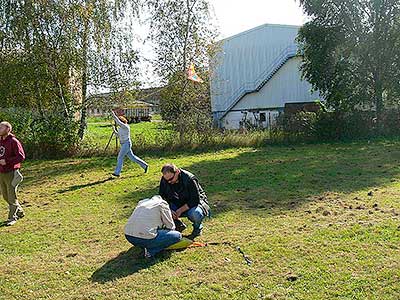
{"x": 391, "y": 123}
{"x": 333, "y": 126}
{"x": 51, "y": 135}
{"x": 298, "y": 126}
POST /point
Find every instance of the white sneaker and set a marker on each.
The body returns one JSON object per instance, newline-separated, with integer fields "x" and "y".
{"x": 11, "y": 222}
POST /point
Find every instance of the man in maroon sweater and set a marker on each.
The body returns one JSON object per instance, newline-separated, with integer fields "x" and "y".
{"x": 11, "y": 156}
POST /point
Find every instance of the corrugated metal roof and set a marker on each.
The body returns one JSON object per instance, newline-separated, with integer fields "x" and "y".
{"x": 257, "y": 28}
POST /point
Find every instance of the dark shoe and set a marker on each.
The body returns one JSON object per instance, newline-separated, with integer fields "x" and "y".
{"x": 20, "y": 214}
{"x": 179, "y": 225}
{"x": 146, "y": 169}
{"x": 115, "y": 175}
{"x": 195, "y": 233}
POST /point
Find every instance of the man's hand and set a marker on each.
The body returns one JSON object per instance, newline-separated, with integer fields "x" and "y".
{"x": 181, "y": 210}
{"x": 174, "y": 216}
{"x": 2, "y": 162}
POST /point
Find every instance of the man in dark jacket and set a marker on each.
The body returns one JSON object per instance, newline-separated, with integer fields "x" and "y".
{"x": 185, "y": 196}
{"x": 11, "y": 156}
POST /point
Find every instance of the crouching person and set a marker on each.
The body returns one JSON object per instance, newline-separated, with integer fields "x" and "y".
{"x": 151, "y": 226}
{"x": 185, "y": 196}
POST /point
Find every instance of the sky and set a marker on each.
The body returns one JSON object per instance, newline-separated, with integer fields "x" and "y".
{"x": 235, "y": 16}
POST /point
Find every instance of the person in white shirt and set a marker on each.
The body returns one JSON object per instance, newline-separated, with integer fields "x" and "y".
{"x": 124, "y": 134}
{"x": 151, "y": 226}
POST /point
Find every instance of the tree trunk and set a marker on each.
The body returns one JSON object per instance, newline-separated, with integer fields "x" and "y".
{"x": 82, "y": 123}
{"x": 378, "y": 99}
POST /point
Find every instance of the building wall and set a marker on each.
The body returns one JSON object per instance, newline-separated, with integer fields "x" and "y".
{"x": 243, "y": 61}
{"x": 245, "y": 57}
{"x": 237, "y": 119}
{"x": 285, "y": 86}
{"x": 97, "y": 112}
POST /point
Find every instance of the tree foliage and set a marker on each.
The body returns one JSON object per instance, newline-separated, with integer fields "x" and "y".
{"x": 182, "y": 33}
{"x": 51, "y": 52}
{"x": 351, "y": 52}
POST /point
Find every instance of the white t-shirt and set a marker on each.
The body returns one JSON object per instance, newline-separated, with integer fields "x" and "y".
{"x": 148, "y": 216}
{"x": 124, "y": 131}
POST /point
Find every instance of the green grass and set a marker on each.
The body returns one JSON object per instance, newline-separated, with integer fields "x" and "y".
{"x": 301, "y": 214}
{"x": 159, "y": 136}
{"x": 144, "y": 135}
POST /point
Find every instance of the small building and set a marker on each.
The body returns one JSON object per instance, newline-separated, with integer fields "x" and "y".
{"x": 137, "y": 111}
{"x": 134, "y": 110}
{"x": 101, "y": 104}
{"x": 255, "y": 73}
{"x": 152, "y": 96}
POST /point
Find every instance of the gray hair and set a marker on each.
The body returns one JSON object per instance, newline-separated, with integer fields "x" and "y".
{"x": 7, "y": 124}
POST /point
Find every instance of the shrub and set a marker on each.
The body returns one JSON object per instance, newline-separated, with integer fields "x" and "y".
{"x": 332, "y": 126}
{"x": 391, "y": 122}
{"x": 298, "y": 126}
{"x": 50, "y": 135}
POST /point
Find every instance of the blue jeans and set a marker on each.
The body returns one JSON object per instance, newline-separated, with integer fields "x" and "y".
{"x": 127, "y": 151}
{"x": 195, "y": 215}
{"x": 164, "y": 239}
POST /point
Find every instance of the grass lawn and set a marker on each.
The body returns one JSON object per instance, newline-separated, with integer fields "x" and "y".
{"x": 143, "y": 134}
{"x": 316, "y": 222}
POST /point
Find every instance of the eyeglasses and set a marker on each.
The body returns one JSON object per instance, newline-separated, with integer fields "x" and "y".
{"x": 170, "y": 179}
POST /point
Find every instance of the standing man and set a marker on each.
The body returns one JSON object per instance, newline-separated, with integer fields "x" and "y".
{"x": 11, "y": 156}
{"x": 124, "y": 134}
{"x": 185, "y": 197}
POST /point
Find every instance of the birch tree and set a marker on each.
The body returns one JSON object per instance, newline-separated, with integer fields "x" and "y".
{"x": 183, "y": 33}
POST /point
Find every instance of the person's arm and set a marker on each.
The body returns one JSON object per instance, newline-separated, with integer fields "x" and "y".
{"x": 194, "y": 193}
{"x": 162, "y": 191}
{"x": 18, "y": 154}
{"x": 116, "y": 119}
{"x": 166, "y": 216}
{"x": 115, "y": 130}
{"x": 181, "y": 210}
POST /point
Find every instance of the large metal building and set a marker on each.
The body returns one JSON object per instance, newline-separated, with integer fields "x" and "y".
{"x": 255, "y": 73}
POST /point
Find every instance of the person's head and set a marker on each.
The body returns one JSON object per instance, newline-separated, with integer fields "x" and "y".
{"x": 5, "y": 128}
{"x": 170, "y": 173}
{"x": 123, "y": 119}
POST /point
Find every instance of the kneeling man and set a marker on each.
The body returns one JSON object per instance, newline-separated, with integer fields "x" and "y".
{"x": 151, "y": 226}
{"x": 185, "y": 196}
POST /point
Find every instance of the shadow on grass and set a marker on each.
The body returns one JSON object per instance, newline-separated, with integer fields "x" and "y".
{"x": 125, "y": 264}
{"x": 38, "y": 171}
{"x": 281, "y": 179}
{"x": 80, "y": 186}
{"x": 272, "y": 178}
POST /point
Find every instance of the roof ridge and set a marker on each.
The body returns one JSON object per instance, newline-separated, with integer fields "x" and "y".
{"x": 257, "y": 28}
